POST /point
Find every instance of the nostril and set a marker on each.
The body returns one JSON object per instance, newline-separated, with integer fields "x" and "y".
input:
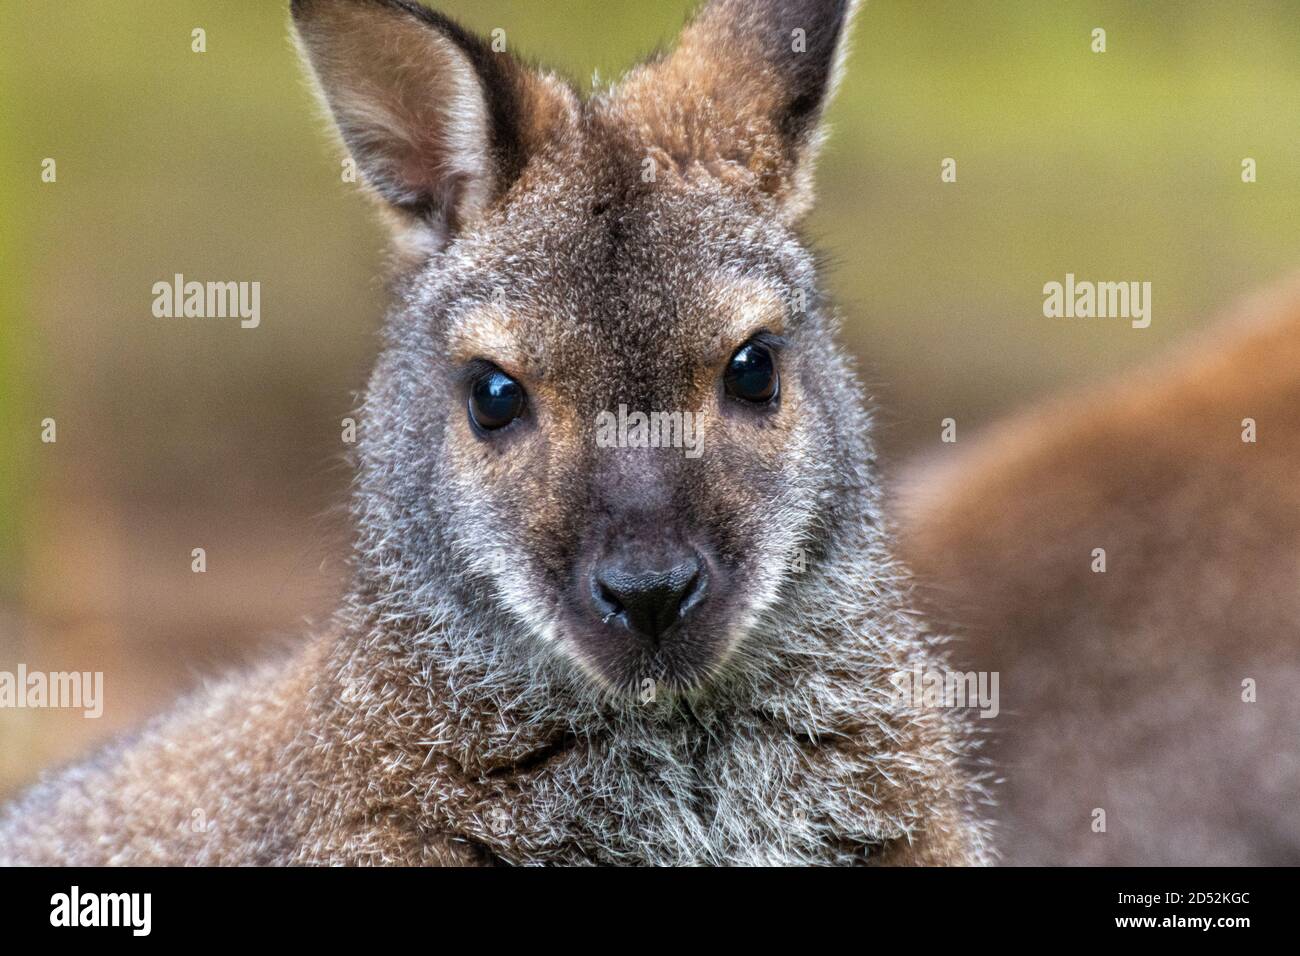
{"x": 693, "y": 594}
{"x": 606, "y": 601}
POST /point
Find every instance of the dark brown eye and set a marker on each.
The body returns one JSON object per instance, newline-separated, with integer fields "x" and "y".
{"x": 495, "y": 400}
{"x": 751, "y": 374}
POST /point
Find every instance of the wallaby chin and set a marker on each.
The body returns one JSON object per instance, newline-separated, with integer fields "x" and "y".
{"x": 623, "y": 590}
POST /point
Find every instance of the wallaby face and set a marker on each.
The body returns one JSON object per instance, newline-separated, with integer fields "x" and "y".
{"x": 577, "y": 265}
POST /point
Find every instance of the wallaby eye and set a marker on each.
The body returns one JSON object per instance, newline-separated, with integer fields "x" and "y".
{"x": 751, "y": 374}
{"x": 495, "y": 400}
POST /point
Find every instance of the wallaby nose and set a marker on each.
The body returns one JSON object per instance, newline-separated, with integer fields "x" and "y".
{"x": 648, "y": 600}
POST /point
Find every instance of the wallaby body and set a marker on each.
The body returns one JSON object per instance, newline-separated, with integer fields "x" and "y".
{"x": 1125, "y": 690}
{"x": 523, "y": 673}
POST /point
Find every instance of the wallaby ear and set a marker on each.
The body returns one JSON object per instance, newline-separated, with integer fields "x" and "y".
{"x": 744, "y": 90}
{"x": 438, "y": 121}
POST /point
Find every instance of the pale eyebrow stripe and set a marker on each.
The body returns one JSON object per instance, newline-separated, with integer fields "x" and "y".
{"x": 487, "y": 332}
{"x": 751, "y": 306}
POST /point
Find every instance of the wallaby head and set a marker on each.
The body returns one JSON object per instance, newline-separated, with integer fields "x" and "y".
{"x": 609, "y": 403}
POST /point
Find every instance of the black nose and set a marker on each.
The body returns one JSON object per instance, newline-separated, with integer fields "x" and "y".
{"x": 647, "y": 600}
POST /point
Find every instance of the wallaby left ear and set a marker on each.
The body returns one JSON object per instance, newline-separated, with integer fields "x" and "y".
{"x": 439, "y": 121}
{"x": 744, "y": 91}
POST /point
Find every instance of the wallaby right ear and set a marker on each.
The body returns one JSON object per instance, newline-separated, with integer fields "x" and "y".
{"x": 439, "y": 122}
{"x": 744, "y": 92}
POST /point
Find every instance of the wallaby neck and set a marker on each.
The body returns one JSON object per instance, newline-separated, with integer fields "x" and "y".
{"x": 796, "y": 755}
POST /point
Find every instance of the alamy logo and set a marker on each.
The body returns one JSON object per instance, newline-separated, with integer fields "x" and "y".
{"x": 683, "y": 430}
{"x": 932, "y": 689}
{"x": 103, "y": 909}
{"x": 208, "y": 300}
{"x": 1101, "y": 300}
{"x": 82, "y": 690}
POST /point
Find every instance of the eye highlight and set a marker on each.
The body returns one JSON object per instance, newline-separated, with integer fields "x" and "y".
{"x": 495, "y": 400}
{"x": 751, "y": 375}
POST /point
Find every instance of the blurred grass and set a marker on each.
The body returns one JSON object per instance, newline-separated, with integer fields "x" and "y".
{"x": 15, "y": 391}
{"x": 1123, "y": 165}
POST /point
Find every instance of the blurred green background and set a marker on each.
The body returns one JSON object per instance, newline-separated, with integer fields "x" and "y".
{"x": 179, "y": 434}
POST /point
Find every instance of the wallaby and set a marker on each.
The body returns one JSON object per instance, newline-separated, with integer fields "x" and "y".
{"x": 1129, "y": 561}
{"x": 558, "y": 648}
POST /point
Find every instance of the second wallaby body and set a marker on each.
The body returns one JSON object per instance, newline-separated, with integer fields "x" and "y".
{"x": 1126, "y": 557}
{"x": 555, "y": 650}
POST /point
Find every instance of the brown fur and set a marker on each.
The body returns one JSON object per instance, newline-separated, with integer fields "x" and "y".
{"x": 1122, "y": 690}
{"x": 283, "y": 767}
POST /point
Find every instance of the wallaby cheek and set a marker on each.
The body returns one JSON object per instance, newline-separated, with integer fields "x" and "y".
{"x": 516, "y": 495}
{"x": 748, "y": 479}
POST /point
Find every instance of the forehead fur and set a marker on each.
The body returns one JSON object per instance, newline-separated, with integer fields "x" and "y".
{"x": 586, "y": 253}
{"x": 529, "y": 343}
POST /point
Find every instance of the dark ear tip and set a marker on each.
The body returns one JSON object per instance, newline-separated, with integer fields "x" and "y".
{"x": 301, "y": 9}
